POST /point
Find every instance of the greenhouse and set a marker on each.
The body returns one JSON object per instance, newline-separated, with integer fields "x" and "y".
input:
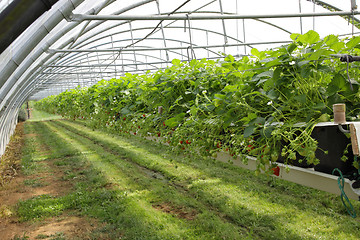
{"x": 182, "y": 119}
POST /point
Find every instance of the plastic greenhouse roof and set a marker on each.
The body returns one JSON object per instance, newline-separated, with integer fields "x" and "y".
{"x": 79, "y": 42}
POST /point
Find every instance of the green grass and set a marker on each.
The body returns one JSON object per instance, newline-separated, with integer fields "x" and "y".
{"x": 37, "y": 115}
{"x": 23, "y": 237}
{"x": 34, "y": 182}
{"x": 143, "y": 191}
{"x": 42, "y": 116}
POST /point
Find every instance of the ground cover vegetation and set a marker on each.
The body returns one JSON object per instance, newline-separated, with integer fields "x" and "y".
{"x": 132, "y": 188}
{"x": 249, "y": 106}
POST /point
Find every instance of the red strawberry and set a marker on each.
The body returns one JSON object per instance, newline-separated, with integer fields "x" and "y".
{"x": 181, "y": 142}
{"x": 187, "y": 142}
{"x": 276, "y": 171}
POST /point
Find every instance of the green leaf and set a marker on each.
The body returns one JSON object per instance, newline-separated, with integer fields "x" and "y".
{"x": 210, "y": 107}
{"x": 125, "y": 111}
{"x": 291, "y": 47}
{"x": 229, "y": 58}
{"x": 255, "y": 52}
{"x": 318, "y": 54}
{"x": 331, "y": 39}
{"x": 302, "y": 63}
{"x": 266, "y": 131}
{"x": 309, "y": 38}
{"x": 219, "y": 96}
{"x": 353, "y": 42}
{"x": 332, "y": 89}
{"x": 320, "y": 106}
{"x": 266, "y": 75}
{"x": 176, "y": 62}
{"x": 269, "y": 84}
{"x": 272, "y": 63}
{"x": 272, "y": 94}
{"x": 276, "y": 74}
{"x": 337, "y": 46}
{"x": 193, "y": 63}
{"x": 294, "y": 36}
{"x": 193, "y": 110}
{"x": 301, "y": 98}
{"x": 339, "y": 81}
{"x": 250, "y": 117}
{"x": 175, "y": 121}
{"x": 258, "y": 121}
{"x": 249, "y": 130}
{"x": 172, "y": 122}
{"x": 305, "y": 72}
{"x": 230, "y": 88}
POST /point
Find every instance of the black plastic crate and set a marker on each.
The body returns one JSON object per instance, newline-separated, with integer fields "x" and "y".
{"x": 332, "y": 140}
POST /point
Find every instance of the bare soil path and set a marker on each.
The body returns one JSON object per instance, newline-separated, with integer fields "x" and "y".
{"x": 16, "y": 186}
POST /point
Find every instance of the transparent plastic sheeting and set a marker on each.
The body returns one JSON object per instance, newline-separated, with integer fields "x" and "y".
{"x": 63, "y": 50}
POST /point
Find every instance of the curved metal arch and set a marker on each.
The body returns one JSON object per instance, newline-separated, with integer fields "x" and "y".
{"x": 71, "y": 56}
{"x": 71, "y": 41}
{"x": 176, "y": 27}
{"x": 64, "y": 71}
{"x": 125, "y": 22}
{"x": 18, "y": 86}
{"x": 108, "y": 57}
{"x": 128, "y": 8}
{"x": 15, "y": 69}
{"x": 227, "y": 13}
{"x": 201, "y": 29}
{"x": 34, "y": 76}
{"x": 72, "y": 60}
{"x": 26, "y": 47}
{"x": 23, "y": 59}
{"x": 166, "y": 27}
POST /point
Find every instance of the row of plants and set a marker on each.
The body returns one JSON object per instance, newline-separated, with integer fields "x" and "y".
{"x": 251, "y": 105}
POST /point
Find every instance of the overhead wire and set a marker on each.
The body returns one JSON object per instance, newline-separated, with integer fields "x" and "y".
{"x": 148, "y": 35}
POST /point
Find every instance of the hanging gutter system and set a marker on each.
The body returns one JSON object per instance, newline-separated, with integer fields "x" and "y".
{"x": 18, "y": 16}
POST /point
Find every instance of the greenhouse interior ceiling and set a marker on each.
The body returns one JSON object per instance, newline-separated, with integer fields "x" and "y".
{"x": 49, "y": 46}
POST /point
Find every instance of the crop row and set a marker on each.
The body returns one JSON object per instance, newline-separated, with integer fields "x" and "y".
{"x": 243, "y": 106}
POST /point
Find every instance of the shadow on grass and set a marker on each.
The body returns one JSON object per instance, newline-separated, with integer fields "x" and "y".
{"x": 265, "y": 223}
{"x": 145, "y": 191}
{"x": 123, "y": 210}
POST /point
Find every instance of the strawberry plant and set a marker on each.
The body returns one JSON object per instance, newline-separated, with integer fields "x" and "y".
{"x": 265, "y": 106}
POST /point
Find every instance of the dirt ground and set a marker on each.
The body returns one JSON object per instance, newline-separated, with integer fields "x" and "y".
{"x": 13, "y": 189}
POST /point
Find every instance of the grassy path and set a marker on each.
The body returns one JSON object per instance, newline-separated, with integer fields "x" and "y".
{"x": 140, "y": 190}
{"x": 156, "y": 208}
{"x": 172, "y": 197}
